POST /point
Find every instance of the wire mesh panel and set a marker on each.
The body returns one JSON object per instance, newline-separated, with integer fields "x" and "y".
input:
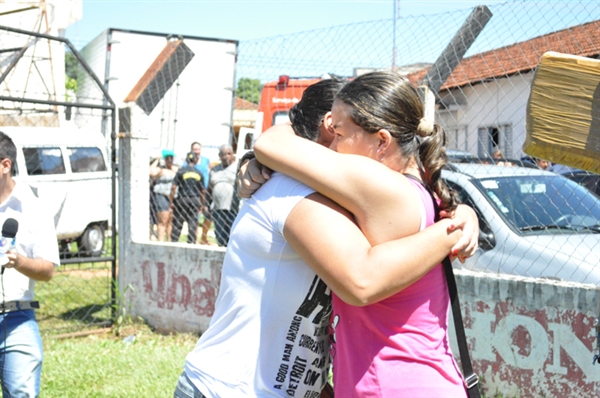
{"x": 534, "y": 223}
{"x": 194, "y": 202}
{"x": 182, "y": 104}
{"x": 55, "y": 110}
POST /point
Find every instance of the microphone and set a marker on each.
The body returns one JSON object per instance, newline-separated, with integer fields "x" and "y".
{"x": 7, "y": 240}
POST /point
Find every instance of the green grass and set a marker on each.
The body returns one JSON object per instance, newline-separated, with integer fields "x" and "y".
{"x": 105, "y": 366}
{"x": 74, "y": 299}
{"x": 77, "y": 300}
{"x": 210, "y": 236}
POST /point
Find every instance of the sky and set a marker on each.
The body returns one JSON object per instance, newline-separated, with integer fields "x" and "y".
{"x": 243, "y": 19}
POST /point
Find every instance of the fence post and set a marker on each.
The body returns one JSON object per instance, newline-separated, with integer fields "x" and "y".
{"x": 134, "y": 198}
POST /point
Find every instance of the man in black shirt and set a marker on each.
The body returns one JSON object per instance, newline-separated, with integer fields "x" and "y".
{"x": 189, "y": 186}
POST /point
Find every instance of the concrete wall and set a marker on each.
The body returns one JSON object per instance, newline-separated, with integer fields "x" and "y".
{"x": 174, "y": 285}
{"x": 527, "y": 337}
{"x": 530, "y": 337}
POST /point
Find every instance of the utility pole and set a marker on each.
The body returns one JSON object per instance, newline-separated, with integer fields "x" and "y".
{"x": 394, "y": 50}
{"x": 451, "y": 56}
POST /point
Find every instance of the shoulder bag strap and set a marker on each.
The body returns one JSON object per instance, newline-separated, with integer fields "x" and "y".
{"x": 471, "y": 379}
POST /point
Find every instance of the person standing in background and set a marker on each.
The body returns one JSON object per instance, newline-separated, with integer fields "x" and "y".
{"x": 189, "y": 186}
{"x": 203, "y": 166}
{"x": 542, "y": 163}
{"x": 499, "y": 159}
{"x": 221, "y": 194}
{"x": 162, "y": 176}
{"x": 32, "y": 259}
{"x": 202, "y": 163}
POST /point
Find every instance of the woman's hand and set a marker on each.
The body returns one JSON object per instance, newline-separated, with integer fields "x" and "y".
{"x": 251, "y": 176}
{"x": 466, "y": 219}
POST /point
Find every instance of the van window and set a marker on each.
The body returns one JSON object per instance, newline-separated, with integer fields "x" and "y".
{"x": 85, "y": 160}
{"x": 43, "y": 161}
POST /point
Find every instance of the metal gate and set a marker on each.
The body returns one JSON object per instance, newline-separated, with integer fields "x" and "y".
{"x": 65, "y": 136}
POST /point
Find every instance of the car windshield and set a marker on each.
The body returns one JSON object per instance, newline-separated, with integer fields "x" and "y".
{"x": 543, "y": 203}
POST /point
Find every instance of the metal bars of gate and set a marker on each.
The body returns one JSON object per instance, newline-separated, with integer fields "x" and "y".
{"x": 107, "y": 105}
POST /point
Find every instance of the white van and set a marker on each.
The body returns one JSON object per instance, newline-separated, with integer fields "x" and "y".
{"x": 70, "y": 172}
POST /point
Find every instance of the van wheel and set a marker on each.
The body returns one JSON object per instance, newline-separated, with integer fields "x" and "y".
{"x": 64, "y": 249}
{"x": 91, "y": 243}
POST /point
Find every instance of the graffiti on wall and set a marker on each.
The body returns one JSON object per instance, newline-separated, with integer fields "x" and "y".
{"x": 541, "y": 352}
{"x": 168, "y": 287}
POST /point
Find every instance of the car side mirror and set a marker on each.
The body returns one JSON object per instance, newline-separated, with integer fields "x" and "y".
{"x": 487, "y": 241}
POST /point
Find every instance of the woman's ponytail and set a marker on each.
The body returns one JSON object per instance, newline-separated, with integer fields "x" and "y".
{"x": 432, "y": 154}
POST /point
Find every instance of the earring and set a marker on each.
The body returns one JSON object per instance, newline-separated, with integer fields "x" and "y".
{"x": 380, "y": 155}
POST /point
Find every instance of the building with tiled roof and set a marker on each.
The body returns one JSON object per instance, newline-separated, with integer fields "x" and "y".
{"x": 483, "y": 102}
{"x": 244, "y": 113}
{"x": 244, "y": 116}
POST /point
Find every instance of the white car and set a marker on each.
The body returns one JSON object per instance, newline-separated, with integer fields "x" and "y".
{"x": 533, "y": 223}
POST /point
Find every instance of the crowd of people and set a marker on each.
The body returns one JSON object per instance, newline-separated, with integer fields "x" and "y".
{"x": 500, "y": 160}
{"x": 196, "y": 193}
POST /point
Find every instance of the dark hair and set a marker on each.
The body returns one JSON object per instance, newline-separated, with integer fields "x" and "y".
{"x": 386, "y": 100}
{"x": 8, "y": 150}
{"x": 306, "y": 116}
{"x": 195, "y": 143}
{"x": 191, "y": 158}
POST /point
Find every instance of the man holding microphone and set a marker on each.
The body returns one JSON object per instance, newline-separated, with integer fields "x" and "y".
{"x": 31, "y": 256}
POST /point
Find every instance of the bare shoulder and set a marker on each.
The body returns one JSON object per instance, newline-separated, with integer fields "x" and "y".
{"x": 316, "y": 205}
{"x": 279, "y": 128}
{"x": 315, "y": 213}
{"x": 379, "y": 181}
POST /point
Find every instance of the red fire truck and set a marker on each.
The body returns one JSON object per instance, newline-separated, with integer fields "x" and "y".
{"x": 279, "y": 96}
{"x": 276, "y": 99}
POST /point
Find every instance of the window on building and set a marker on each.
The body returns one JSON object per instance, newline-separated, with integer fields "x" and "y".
{"x": 495, "y": 137}
{"x": 456, "y": 137}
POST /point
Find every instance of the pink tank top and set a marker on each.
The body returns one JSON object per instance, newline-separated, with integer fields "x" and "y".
{"x": 398, "y": 347}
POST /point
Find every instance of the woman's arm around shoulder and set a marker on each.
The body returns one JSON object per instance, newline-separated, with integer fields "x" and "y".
{"x": 356, "y": 271}
{"x": 383, "y": 201}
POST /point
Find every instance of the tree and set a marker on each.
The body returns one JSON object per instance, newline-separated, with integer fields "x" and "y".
{"x": 249, "y": 89}
{"x": 72, "y": 71}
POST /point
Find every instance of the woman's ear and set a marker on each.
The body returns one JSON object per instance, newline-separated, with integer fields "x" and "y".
{"x": 328, "y": 122}
{"x": 326, "y": 132}
{"x": 385, "y": 139}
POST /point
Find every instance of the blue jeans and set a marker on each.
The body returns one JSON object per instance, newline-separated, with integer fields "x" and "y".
{"x": 223, "y": 221}
{"x": 186, "y": 389}
{"x": 20, "y": 354}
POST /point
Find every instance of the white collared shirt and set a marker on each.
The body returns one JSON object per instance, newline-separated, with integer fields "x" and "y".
{"x": 36, "y": 238}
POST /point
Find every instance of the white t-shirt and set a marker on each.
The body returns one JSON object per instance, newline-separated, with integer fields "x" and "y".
{"x": 269, "y": 333}
{"x": 36, "y": 238}
{"x": 222, "y": 182}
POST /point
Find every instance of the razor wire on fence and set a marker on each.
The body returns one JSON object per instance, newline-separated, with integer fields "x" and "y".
{"x": 533, "y": 223}
{"x": 55, "y": 111}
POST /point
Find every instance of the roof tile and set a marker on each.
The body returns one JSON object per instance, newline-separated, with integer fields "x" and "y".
{"x": 582, "y": 40}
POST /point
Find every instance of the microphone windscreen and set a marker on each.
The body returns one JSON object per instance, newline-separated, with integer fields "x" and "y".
{"x": 10, "y": 228}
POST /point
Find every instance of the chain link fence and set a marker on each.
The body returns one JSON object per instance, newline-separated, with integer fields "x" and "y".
{"x": 193, "y": 202}
{"x": 533, "y": 224}
{"x": 55, "y": 120}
